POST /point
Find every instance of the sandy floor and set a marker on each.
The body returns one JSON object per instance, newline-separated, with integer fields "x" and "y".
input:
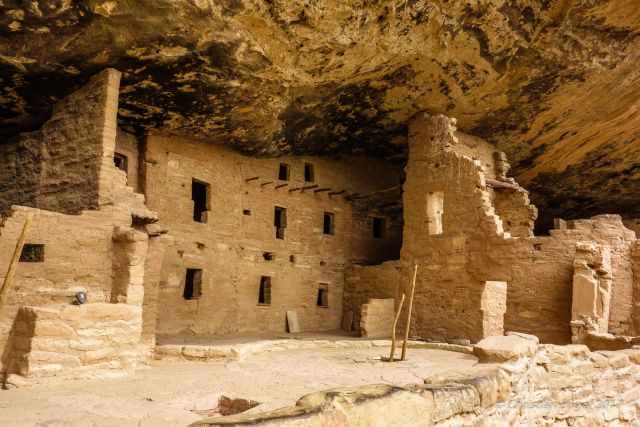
{"x": 167, "y": 392}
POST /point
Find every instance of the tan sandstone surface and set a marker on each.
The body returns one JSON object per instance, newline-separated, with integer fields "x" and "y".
{"x": 167, "y": 392}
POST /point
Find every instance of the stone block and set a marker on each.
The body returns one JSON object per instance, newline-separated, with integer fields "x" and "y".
{"x": 503, "y": 348}
{"x": 617, "y": 359}
{"x": 523, "y": 335}
{"x": 53, "y": 328}
{"x": 93, "y": 356}
{"x": 47, "y": 357}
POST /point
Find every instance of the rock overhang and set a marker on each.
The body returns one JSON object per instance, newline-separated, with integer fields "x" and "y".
{"x": 551, "y": 83}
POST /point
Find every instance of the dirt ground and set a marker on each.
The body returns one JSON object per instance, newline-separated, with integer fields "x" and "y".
{"x": 167, "y": 393}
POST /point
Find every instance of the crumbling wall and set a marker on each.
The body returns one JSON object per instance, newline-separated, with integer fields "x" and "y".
{"x": 463, "y": 243}
{"x": 60, "y": 166}
{"x": 79, "y": 251}
{"x": 236, "y": 245}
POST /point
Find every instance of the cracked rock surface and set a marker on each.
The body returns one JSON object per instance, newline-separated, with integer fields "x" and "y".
{"x": 553, "y": 83}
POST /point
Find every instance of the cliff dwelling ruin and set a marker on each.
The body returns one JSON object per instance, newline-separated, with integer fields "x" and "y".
{"x": 320, "y": 213}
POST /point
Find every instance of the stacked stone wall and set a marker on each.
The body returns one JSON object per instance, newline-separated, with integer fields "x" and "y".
{"x": 237, "y": 244}
{"x": 79, "y": 253}
{"x": 91, "y": 340}
{"x": 474, "y": 246}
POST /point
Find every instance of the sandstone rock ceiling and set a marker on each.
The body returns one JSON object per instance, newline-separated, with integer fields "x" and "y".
{"x": 554, "y": 83}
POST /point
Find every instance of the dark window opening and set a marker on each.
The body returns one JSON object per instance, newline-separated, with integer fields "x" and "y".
{"x": 200, "y": 197}
{"x": 193, "y": 284}
{"x": 268, "y": 256}
{"x": 292, "y": 258}
{"x": 246, "y": 212}
{"x": 328, "y": 226}
{"x": 32, "y": 252}
{"x": 264, "y": 296}
{"x": 121, "y": 162}
{"x": 323, "y": 295}
{"x": 283, "y": 172}
{"x": 280, "y": 221}
{"x": 378, "y": 228}
{"x": 309, "y": 175}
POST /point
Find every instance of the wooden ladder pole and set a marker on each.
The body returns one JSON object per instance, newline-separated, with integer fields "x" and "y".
{"x": 13, "y": 265}
{"x": 406, "y": 332}
{"x": 393, "y": 331}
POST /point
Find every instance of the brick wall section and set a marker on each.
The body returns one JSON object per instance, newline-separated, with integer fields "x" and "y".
{"x": 92, "y": 340}
{"x": 229, "y": 248}
{"x": 59, "y": 167}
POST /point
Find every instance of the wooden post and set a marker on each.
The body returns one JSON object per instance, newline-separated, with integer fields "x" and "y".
{"x": 393, "y": 331}
{"x": 13, "y": 265}
{"x": 406, "y": 332}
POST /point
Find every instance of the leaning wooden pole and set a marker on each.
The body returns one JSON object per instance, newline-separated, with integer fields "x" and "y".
{"x": 13, "y": 265}
{"x": 406, "y": 332}
{"x": 393, "y": 331}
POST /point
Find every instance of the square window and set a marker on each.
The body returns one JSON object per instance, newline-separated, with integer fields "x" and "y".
{"x": 283, "y": 172}
{"x": 193, "y": 284}
{"x": 264, "y": 294}
{"x": 280, "y": 221}
{"x": 309, "y": 173}
{"x": 379, "y": 228}
{"x": 32, "y": 252}
{"x": 121, "y": 162}
{"x": 323, "y": 295}
{"x": 328, "y": 225}
{"x": 200, "y": 197}
{"x": 268, "y": 256}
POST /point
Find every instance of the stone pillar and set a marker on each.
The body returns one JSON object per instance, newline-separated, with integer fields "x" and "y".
{"x": 158, "y": 242}
{"x": 129, "y": 256}
{"x": 592, "y": 287}
{"x": 494, "y": 306}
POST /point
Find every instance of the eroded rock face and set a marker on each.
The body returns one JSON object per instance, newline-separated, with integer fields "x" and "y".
{"x": 553, "y": 83}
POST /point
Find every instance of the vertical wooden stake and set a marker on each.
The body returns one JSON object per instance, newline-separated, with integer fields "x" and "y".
{"x": 406, "y": 332}
{"x": 393, "y": 331}
{"x": 13, "y": 265}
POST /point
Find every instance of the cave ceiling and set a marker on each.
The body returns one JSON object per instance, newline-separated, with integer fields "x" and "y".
{"x": 553, "y": 83}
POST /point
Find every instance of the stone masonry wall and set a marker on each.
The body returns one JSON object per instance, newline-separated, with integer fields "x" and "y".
{"x": 365, "y": 282}
{"x": 376, "y": 318}
{"x": 80, "y": 253}
{"x": 91, "y": 340}
{"x": 462, "y": 243}
{"x": 237, "y": 245}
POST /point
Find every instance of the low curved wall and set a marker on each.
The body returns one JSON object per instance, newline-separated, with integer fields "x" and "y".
{"x": 557, "y": 385}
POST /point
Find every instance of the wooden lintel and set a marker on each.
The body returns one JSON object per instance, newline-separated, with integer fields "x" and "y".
{"x": 253, "y": 178}
{"x": 309, "y": 187}
{"x": 291, "y": 190}
{"x": 337, "y": 193}
{"x": 501, "y": 184}
{"x": 280, "y": 186}
{"x": 321, "y": 190}
{"x": 266, "y": 183}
